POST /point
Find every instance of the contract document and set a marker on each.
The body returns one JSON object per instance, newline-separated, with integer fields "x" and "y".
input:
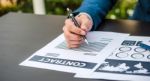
{"x": 128, "y": 62}
{"x": 56, "y": 56}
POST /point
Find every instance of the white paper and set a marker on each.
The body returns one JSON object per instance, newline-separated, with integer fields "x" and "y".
{"x": 128, "y": 62}
{"x": 56, "y": 56}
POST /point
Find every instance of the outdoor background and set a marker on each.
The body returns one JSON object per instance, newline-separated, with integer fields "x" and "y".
{"x": 122, "y": 10}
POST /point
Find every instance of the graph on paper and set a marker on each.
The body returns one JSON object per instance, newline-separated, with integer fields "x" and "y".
{"x": 129, "y": 58}
{"x": 91, "y": 47}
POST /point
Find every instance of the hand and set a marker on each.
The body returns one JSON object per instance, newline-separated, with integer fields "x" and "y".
{"x": 74, "y": 35}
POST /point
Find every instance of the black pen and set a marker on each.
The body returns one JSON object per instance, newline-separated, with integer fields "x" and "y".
{"x": 70, "y": 15}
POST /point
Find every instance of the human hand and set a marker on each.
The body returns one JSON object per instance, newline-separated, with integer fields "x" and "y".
{"x": 74, "y": 35}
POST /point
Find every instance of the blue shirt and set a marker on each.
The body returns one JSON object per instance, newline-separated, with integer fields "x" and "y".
{"x": 98, "y": 9}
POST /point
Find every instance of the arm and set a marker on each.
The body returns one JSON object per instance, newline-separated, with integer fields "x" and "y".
{"x": 97, "y": 9}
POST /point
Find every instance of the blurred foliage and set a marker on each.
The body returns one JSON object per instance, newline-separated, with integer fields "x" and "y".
{"x": 10, "y": 5}
{"x": 6, "y": 6}
{"x": 15, "y": 6}
{"x": 59, "y": 6}
{"x": 123, "y": 8}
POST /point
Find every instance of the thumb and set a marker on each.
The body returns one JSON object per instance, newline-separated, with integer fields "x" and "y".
{"x": 86, "y": 25}
{"x": 85, "y": 22}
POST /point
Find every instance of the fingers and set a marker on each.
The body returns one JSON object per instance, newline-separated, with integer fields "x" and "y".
{"x": 70, "y": 27}
{"x": 73, "y": 34}
{"x": 74, "y": 44}
{"x": 73, "y": 40}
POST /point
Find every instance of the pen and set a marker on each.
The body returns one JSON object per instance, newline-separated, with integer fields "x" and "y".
{"x": 70, "y": 15}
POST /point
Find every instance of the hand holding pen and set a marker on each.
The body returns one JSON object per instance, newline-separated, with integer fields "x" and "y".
{"x": 75, "y": 34}
{"x": 70, "y": 15}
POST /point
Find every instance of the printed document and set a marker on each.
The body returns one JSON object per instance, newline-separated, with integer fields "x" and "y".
{"x": 56, "y": 56}
{"x": 128, "y": 62}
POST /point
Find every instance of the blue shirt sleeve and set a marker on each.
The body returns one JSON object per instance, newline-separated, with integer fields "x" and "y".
{"x": 142, "y": 11}
{"x": 97, "y": 9}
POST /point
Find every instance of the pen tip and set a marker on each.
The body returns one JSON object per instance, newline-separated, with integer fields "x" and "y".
{"x": 86, "y": 41}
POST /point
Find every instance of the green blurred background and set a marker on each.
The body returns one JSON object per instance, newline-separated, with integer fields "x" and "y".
{"x": 122, "y": 10}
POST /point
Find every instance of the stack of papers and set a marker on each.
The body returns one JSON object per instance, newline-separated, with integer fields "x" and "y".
{"x": 117, "y": 55}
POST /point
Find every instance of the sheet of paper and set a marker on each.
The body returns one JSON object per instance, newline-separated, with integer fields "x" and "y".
{"x": 56, "y": 56}
{"x": 128, "y": 62}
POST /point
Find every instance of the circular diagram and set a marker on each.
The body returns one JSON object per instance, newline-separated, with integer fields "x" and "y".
{"x": 140, "y": 50}
{"x": 124, "y": 49}
{"x": 137, "y": 55}
{"x": 148, "y": 56}
{"x": 122, "y": 55}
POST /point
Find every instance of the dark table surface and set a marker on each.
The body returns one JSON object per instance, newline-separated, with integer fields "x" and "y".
{"x": 23, "y": 34}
